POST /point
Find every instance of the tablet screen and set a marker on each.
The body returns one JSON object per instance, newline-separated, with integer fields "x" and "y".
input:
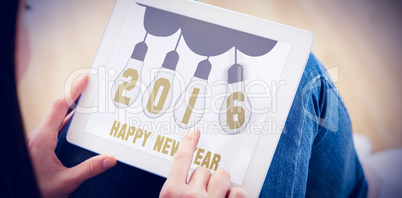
{"x": 171, "y": 72}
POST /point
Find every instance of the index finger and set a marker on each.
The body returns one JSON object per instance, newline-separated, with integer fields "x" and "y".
{"x": 183, "y": 157}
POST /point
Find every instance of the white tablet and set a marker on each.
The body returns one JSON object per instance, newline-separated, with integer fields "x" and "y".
{"x": 166, "y": 66}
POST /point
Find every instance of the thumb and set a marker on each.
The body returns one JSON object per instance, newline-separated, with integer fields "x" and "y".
{"x": 90, "y": 168}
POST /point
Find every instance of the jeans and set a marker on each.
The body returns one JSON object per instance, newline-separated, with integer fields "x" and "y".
{"x": 315, "y": 156}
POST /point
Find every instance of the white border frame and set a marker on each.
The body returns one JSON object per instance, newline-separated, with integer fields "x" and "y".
{"x": 301, "y": 42}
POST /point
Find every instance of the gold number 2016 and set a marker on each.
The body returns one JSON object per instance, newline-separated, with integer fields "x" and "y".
{"x": 233, "y": 111}
{"x": 126, "y": 86}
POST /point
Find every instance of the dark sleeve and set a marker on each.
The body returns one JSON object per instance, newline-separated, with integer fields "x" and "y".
{"x": 16, "y": 172}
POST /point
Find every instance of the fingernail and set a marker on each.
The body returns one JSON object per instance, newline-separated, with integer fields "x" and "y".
{"x": 196, "y": 130}
{"x": 108, "y": 163}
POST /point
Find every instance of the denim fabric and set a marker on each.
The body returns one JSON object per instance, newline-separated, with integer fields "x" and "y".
{"x": 315, "y": 156}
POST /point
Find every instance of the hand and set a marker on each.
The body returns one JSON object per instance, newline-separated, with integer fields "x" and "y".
{"x": 53, "y": 178}
{"x": 201, "y": 183}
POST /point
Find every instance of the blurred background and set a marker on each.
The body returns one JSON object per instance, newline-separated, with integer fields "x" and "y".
{"x": 358, "y": 41}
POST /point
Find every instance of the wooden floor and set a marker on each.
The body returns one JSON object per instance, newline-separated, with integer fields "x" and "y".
{"x": 358, "y": 41}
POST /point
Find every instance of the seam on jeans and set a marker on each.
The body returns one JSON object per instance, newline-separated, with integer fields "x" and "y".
{"x": 327, "y": 81}
{"x": 334, "y": 89}
{"x": 307, "y": 90}
{"x": 309, "y": 114}
{"x": 297, "y": 157}
{"x": 319, "y": 129}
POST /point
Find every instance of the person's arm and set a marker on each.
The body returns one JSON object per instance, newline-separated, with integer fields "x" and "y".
{"x": 53, "y": 178}
{"x": 201, "y": 183}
